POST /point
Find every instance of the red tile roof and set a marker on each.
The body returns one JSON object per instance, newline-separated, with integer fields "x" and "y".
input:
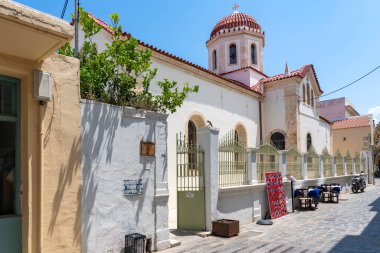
{"x": 248, "y": 67}
{"x": 353, "y": 122}
{"x": 235, "y": 20}
{"x": 106, "y": 27}
{"x": 300, "y": 73}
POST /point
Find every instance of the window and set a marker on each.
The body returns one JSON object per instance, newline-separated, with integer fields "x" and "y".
{"x": 312, "y": 98}
{"x": 233, "y": 59}
{"x": 253, "y": 54}
{"x": 308, "y": 142}
{"x": 304, "y": 93}
{"x": 278, "y": 140}
{"x": 214, "y": 60}
{"x": 308, "y": 94}
{"x": 7, "y": 99}
{"x": 192, "y": 139}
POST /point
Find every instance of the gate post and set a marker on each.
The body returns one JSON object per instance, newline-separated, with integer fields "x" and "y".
{"x": 304, "y": 165}
{"x": 208, "y": 139}
{"x": 252, "y": 166}
{"x": 282, "y": 164}
{"x": 333, "y": 162}
{"x": 321, "y": 166}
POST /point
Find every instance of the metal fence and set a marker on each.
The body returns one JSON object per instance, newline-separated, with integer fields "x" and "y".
{"x": 267, "y": 161}
{"x": 190, "y": 171}
{"x": 293, "y": 163}
{"x": 327, "y": 163}
{"x": 312, "y": 164}
{"x": 233, "y": 166}
{"x": 339, "y": 163}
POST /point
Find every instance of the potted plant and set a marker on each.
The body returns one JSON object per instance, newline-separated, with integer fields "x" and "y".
{"x": 225, "y": 227}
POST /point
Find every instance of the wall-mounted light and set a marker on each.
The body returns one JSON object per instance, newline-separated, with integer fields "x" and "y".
{"x": 344, "y": 138}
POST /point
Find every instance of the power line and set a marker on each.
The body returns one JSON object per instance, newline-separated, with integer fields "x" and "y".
{"x": 64, "y": 8}
{"x": 341, "y": 88}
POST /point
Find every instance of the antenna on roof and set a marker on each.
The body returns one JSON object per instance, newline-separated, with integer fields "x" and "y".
{"x": 286, "y": 69}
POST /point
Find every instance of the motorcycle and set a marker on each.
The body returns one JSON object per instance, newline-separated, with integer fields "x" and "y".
{"x": 358, "y": 183}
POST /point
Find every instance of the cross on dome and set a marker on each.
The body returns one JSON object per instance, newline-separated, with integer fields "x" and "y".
{"x": 235, "y": 7}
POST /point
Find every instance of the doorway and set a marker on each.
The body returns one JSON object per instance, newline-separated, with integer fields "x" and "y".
{"x": 10, "y": 214}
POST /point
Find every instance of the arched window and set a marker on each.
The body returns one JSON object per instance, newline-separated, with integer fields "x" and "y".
{"x": 304, "y": 93}
{"x": 277, "y": 139}
{"x": 253, "y": 54}
{"x": 191, "y": 133}
{"x": 214, "y": 60}
{"x": 233, "y": 59}
{"x": 308, "y": 142}
{"x": 192, "y": 140}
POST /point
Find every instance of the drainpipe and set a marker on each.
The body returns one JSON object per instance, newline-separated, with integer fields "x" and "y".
{"x": 41, "y": 188}
{"x": 261, "y": 123}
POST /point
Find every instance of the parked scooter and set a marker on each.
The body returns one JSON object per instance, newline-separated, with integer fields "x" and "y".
{"x": 358, "y": 183}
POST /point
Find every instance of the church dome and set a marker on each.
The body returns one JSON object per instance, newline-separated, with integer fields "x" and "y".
{"x": 235, "y": 20}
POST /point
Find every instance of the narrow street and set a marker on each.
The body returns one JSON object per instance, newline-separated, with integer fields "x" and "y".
{"x": 353, "y": 225}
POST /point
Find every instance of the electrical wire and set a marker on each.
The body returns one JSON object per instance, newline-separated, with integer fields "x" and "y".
{"x": 64, "y": 9}
{"x": 341, "y": 88}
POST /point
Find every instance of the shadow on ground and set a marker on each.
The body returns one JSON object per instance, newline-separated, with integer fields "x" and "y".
{"x": 368, "y": 241}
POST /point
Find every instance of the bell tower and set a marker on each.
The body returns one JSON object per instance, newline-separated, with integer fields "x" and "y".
{"x": 236, "y": 42}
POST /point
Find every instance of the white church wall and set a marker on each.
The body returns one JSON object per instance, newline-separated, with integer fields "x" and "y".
{"x": 319, "y": 131}
{"x": 222, "y": 106}
{"x": 273, "y": 112}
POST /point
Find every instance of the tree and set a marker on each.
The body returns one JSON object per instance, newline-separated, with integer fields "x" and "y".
{"x": 122, "y": 74}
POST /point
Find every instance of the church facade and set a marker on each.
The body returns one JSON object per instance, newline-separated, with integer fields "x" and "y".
{"x": 236, "y": 95}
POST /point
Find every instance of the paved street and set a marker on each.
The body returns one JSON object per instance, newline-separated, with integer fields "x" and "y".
{"x": 353, "y": 225}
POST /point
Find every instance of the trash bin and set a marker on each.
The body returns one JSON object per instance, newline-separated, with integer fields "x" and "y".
{"x": 135, "y": 243}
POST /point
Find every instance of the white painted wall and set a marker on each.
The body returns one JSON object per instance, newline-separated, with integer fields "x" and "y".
{"x": 273, "y": 112}
{"x": 320, "y": 133}
{"x": 110, "y": 154}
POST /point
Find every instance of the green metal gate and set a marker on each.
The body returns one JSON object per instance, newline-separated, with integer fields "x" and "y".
{"x": 233, "y": 169}
{"x": 190, "y": 186}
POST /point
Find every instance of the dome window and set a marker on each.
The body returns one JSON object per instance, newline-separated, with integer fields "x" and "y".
{"x": 214, "y": 60}
{"x": 233, "y": 59}
{"x": 253, "y": 54}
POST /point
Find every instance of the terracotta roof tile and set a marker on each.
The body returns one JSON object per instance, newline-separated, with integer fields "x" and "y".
{"x": 106, "y": 27}
{"x": 300, "y": 73}
{"x": 353, "y": 122}
{"x": 248, "y": 67}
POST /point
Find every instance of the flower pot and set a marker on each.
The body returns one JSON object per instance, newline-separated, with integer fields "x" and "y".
{"x": 225, "y": 227}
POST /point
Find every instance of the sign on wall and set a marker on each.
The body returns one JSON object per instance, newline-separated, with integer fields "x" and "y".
{"x": 276, "y": 194}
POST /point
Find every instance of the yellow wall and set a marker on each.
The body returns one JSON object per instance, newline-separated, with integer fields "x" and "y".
{"x": 354, "y": 139}
{"x": 62, "y": 156}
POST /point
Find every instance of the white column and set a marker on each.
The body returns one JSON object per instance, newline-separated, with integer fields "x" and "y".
{"x": 354, "y": 166}
{"x": 333, "y": 163}
{"x": 321, "y": 172}
{"x": 344, "y": 166}
{"x": 208, "y": 139}
{"x": 252, "y": 165}
{"x": 282, "y": 164}
{"x": 304, "y": 166}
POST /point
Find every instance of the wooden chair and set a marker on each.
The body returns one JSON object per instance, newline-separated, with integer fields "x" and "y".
{"x": 304, "y": 202}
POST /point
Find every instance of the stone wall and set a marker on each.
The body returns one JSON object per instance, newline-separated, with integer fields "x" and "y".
{"x": 111, "y": 154}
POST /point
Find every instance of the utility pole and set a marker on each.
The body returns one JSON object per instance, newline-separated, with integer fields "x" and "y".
{"x": 76, "y": 28}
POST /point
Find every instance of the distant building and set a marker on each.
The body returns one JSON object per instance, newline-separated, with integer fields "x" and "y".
{"x": 353, "y": 134}
{"x": 337, "y": 109}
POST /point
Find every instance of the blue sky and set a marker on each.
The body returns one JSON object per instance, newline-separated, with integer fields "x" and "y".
{"x": 340, "y": 37}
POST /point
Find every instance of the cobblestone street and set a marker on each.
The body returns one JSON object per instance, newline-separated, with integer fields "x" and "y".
{"x": 353, "y": 225}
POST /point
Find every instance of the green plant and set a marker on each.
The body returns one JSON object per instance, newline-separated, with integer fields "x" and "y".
{"x": 121, "y": 74}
